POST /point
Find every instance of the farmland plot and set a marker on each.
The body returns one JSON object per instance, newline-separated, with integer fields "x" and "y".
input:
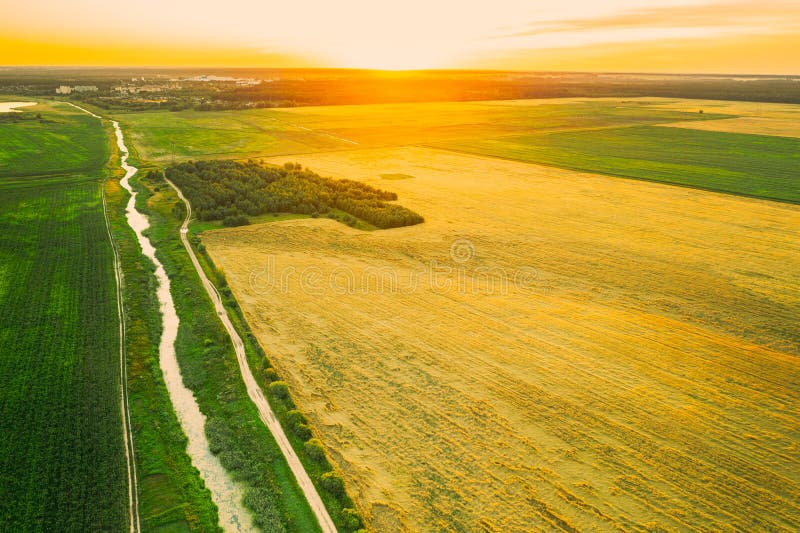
{"x": 160, "y": 136}
{"x": 62, "y": 463}
{"x": 578, "y": 352}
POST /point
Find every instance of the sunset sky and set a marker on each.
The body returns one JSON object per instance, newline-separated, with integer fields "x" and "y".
{"x": 614, "y": 35}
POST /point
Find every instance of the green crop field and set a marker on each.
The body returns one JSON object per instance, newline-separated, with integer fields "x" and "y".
{"x": 752, "y": 165}
{"x": 62, "y": 462}
{"x": 266, "y": 132}
{"x": 62, "y": 465}
{"x": 50, "y": 138}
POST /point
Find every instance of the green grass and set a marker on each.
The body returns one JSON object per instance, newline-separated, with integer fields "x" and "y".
{"x": 208, "y": 364}
{"x": 64, "y": 141}
{"x": 197, "y": 135}
{"x": 751, "y": 165}
{"x": 62, "y": 465}
{"x": 173, "y": 497}
{"x": 198, "y": 226}
{"x": 268, "y": 132}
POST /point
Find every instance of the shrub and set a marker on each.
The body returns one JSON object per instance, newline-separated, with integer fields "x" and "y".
{"x": 270, "y": 375}
{"x": 316, "y": 451}
{"x": 302, "y": 431}
{"x": 332, "y": 483}
{"x": 279, "y": 389}
{"x": 295, "y": 417}
{"x": 235, "y": 220}
{"x": 351, "y": 519}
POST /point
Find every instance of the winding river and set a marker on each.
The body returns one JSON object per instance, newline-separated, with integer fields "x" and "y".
{"x": 225, "y": 493}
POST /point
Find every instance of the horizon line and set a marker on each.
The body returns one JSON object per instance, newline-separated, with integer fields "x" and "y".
{"x": 400, "y": 71}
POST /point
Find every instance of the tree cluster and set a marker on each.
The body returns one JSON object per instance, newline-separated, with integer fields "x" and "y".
{"x": 231, "y": 191}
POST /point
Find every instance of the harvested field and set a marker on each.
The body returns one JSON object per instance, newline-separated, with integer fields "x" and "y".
{"x": 549, "y": 350}
{"x": 779, "y": 127}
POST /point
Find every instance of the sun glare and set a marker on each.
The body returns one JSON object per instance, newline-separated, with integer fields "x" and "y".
{"x": 385, "y": 56}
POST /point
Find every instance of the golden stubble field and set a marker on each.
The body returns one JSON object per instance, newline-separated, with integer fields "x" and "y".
{"x": 754, "y": 117}
{"x": 551, "y": 350}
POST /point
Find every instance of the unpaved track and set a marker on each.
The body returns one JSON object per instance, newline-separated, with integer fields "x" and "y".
{"x": 253, "y": 390}
{"x": 130, "y": 457}
{"x": 127, "y": 433}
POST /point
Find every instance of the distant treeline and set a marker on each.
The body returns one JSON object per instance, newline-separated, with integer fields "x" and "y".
{"x": 231, "y": 190}
{"x": 302, "y": 87}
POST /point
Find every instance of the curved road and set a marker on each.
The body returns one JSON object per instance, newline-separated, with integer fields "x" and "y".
{"x": 253, "y": 390}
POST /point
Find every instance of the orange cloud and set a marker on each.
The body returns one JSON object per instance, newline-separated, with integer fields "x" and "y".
{"x": 774, "y": 15}
{"x": 753, "y": 54}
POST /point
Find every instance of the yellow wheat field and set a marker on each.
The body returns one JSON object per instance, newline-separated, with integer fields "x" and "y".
{"x": 781, "y": 127}
{"x": 551, "y": 350}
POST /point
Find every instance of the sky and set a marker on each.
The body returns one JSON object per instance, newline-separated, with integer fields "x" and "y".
{"x": 686, "y": 36}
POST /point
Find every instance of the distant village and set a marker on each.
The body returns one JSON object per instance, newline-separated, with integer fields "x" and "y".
{"x": 141, "y": 85}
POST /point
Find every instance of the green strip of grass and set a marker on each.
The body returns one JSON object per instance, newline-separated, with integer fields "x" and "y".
{"x": 198, "y": 226}
{"x": 173, "y": 497}
{"x": 751, "y": 165}
{"x": 208, "y": 364}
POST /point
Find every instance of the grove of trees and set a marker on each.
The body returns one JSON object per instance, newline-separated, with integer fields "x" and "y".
{"x": 231, "y": 191}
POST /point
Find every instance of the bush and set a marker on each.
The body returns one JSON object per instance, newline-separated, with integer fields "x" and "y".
{"x": 279, "y": 389}
{"x": 298, "y": 424}
{"x": 302, "y": 431}
{"x": 270, "y": 375}
{"x": 295, "y": 417}
{"x": 235, "y": 220}
{"x": 351, "y": 519}
{"x": 316, "y": 451}
{"x": 332, "y": 483}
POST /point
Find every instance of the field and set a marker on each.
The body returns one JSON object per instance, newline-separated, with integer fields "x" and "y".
{"x": 264, "y": 132}
{"x": 63, "y": 141}
{"x": 752, "y": 165}
{"x": 781, "y": 127}
{"x": 62, "y": 463}
{"x": 550, "y": 350}
{"x": 62, "y": 457}
{"x": 609, "y": 136}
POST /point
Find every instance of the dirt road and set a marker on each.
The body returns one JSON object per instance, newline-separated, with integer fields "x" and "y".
{"x": 253, "y": 390}
{"x": 127, "y": 433}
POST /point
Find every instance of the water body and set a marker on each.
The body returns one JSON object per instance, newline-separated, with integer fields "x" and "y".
{"x": 225, "y": 493}
{"x": 11, "y": 107}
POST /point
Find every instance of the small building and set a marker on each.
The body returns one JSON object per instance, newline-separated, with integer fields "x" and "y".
{"x": 85, "y": 88}
{"x": 63, "y": 89}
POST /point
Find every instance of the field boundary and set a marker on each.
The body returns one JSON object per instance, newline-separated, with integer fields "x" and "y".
{"x": 130, "y": 454}
{"x": 606, "y": 174}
